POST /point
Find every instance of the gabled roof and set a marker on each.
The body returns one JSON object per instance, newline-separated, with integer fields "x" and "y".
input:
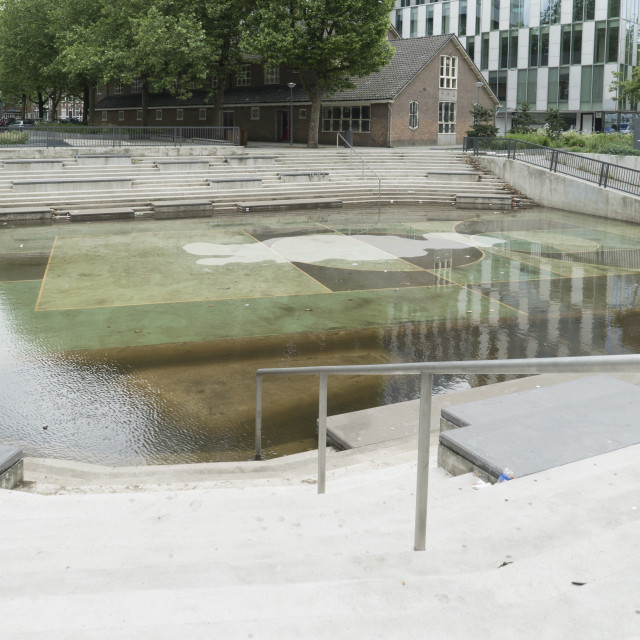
{"x": 410, "y": 57}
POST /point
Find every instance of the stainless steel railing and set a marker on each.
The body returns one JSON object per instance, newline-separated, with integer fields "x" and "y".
{"x": 604, "y": 174}
{"x": 364, "y": 164}
{"x": 582, "y": 364}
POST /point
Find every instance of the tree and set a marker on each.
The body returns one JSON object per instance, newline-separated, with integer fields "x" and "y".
{"x": 553, "y": 123}
{"x": 627, "y": 90}
{"x": 483, "y": 119}
{"x": 522, "y": 119}
{"x": 28, "y": 53}
{"x": 327, "y": 42}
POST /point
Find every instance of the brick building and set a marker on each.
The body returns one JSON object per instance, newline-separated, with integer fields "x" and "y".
{"x": 422, "y": 97}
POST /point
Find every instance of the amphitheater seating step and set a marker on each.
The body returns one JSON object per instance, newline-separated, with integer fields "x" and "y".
{"x": 276, "y": 205}
{"x": 182, "y": 209}
{"x": 118, "y": 213}
{"x": 484, "y": 201}
{"x": 24, "y": 213}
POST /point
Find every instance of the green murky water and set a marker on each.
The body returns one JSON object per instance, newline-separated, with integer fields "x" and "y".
{"x": 137, "y": 342}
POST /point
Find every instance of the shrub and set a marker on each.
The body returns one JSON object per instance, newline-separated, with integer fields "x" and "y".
{"x": 13, "y": 137}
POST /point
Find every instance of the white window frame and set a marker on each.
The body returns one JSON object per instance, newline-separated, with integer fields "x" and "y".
{"x": 158, "y": 114}
{"x": 104, "y": 116}
{"x": 179, "y": 114}
{"x": 139, "y": 115}
{"x": 202, "y": 114}
{"x": 214, "y": 82}
{"x": 117, "y": 88}
{"x": 447, "y": 117}
{"x": 272, "y": 75}
{"x": 302, "y": 114}
{"x": 340, "y": 118}
{"x": 414, "y": 119}
{"x": 243, "y": 76}
{"x": 448, "y": 72}
{"x": 255, "y": 113}
{"x": 136, "y": 85}
{"x": 120, "y": 116}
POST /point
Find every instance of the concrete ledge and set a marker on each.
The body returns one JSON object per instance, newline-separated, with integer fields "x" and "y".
{"x": 182, "y": 165}
{"x": 32, "y": 163}
{"x": 70, "y": 184}
{"x": 235, "y": 182}
{"x": 182, "y": 209}
{"x": 121, "y": 213}
{"x": 563, "y": 192}
{"x": 102, "y": 160}
{"x": 303, "y": 176}
{"x": 482, "y": 201}
{"x": 25, "y": 213}
{"x": 250, "y": 160}
{"x": 454, "y": 176}
{"x": 278, "y": 205}
{"x": 11, "y": 467}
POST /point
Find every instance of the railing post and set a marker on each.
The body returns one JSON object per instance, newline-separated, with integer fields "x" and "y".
{"x": 258, "y": 452}
{"x": 604, "y": 173}
{"x": 554, "y": 160}
{"x": 322, "y": 433}
{"x": 424, "y": 438}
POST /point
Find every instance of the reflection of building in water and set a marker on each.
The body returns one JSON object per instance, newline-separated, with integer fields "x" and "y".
{"x": 557, "y": 317}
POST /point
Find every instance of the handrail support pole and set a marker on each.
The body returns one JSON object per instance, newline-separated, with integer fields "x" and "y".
{"x": 424, "y": 441}
{"x": 322, "y": 432}
{"x": 258, "y": 434}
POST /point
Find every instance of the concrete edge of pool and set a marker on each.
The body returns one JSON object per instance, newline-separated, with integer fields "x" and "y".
{"x": 381, "y": 437}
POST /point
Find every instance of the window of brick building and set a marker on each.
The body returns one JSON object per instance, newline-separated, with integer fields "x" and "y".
{"x": 448, "y": 72}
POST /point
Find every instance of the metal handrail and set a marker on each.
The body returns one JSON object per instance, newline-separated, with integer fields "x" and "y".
{"x": 580, "y": 364}
{"x": 604, "y": 174}
{"x": 364, "y": 164}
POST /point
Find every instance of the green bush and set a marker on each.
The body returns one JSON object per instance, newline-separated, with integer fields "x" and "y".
{"x": 533, "y": 137}
{"x": 13, "y": 137}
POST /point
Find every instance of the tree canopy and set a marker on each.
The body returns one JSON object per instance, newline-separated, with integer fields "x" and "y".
{"x": 327, "y": 42}
{"x": 51, "y": 47}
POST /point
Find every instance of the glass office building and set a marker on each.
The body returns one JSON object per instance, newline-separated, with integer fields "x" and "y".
{"x": 546, "y": 53}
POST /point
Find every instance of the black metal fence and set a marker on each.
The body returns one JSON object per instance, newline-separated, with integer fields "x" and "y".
{"x": 83, "y": 136}
{"x": 604, "y": 174}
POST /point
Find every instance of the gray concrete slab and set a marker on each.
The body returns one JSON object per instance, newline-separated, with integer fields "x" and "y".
{"x": 538, "y": 429}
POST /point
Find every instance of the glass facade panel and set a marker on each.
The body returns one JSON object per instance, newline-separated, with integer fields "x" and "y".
{"x": 600, "y": 42}
{"x": 532, "y": 87}
{"x": 504, "y": 49}
{"x": 446, "y": 17}
{"x": 613, "y": 34}
{"x": 552, "y": 88}
{"x": 613, "y": 10}
{"x": 578, "y": 10}
{"x": 576, "y": 44}
{"x": 484, "y": 53}
{"x": 521, "y": 94}
{"x": 597, "y": 84}
{"x": 462, "y": 18}
{"x": 413, "y": 22}
{"x": 429, "y": 25}
{"x": 495, "y": 14}
{"x": 513, "y": 49}
{"x": 565, "y": 44}
{"x": 534, "y": 47}
{"x": 585, "y": 88}
{"x": 544, "y": 46}
{"x": 563, "y": 87}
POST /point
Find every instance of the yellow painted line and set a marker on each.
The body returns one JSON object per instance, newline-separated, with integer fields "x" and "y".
{"x": 46, "y": 272}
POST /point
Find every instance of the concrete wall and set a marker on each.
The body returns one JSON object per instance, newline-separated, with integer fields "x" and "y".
{"x": 563, "y": 192}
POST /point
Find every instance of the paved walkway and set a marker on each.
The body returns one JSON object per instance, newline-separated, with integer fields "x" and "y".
{"x": 245, "y": 551}
{"x": 548, "y": 556}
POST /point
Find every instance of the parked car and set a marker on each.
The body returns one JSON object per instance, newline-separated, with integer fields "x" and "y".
{"x": 23, "y": 124}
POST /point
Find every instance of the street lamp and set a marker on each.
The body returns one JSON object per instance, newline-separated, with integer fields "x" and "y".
{"x": 291, "y": 86}
{"x": 479, "y": 86}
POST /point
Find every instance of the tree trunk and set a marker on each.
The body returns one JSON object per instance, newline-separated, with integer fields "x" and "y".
{"x": 87, "y": 106}
{"x": 41, "y": 107}
{"x": 218, "y": 103}
{"x": 23, "y": 106}
{"x": 314, "y": 119}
